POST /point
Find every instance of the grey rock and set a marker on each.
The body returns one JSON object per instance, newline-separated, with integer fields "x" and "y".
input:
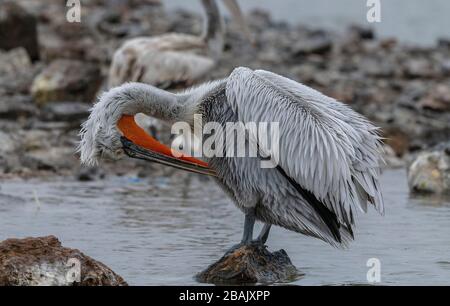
{"x": 430, "y": 171}
{"x": 66, "y": 80}
{"x": 44, "y": 261}
{"x": 87, "y": 174}
{"x": 18, "y": 106}
{"x": 362, "y": 32}
{"x": 18, "y": 28}
{"x": 438, "y": 98}
{"x": 7, "y": 144}
{"x": 66, "y": 111}
{"x": 248, "y": 265}
{"x": 317, "y": 44}
{"x": 54, "y": 159}
{"x": 444, "y": 43}
{"x": 14, "y": 61}
{"x": 377, "y": 67}
{"x": 419, "y": 68}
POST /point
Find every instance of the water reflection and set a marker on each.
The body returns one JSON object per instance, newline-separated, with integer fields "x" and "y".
{"x": 164, "y": 230}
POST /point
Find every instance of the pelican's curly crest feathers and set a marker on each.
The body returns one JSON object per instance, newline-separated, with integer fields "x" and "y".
{"x": 99, "y": 134}
{"x": 90, "y": 128}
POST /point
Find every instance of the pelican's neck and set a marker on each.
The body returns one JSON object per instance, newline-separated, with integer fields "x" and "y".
{"x": 134, "y": 98}
{"x": 213, "y": 29}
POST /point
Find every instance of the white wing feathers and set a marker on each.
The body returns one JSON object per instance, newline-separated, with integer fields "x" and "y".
{"x": 326, "y": 147}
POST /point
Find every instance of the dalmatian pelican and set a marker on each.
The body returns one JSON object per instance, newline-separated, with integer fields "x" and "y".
{"x": 174, "y": 59}
{"x": 329, "y": 156}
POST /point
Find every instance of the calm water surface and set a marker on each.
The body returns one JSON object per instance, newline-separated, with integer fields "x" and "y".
{"x": 411, "y": 21}
{"x": 165, "y": 230}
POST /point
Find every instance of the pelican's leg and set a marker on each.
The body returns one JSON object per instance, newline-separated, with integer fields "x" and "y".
{"x": 249, "y": 223}
{"x": 262, "y": 237}
{"x": 247, "y": 237}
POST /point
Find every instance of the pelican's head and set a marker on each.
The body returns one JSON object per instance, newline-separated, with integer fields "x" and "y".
{"x": 111, "y": 131}
{"x": 100, "y": 136}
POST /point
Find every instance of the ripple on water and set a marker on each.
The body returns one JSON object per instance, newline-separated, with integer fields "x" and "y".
{"x": 164, "y": 230}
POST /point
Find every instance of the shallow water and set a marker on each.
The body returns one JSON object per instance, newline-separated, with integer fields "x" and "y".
{"x": 164, "y": 230}
{"x": 412, "y": 21}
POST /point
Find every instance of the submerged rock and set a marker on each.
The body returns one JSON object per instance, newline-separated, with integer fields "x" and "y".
{"x": 430, "y": 171}
{"x": 18, "y": 28}
{"x": 43, "y": 261}
{"x": 250, "y": 264}
{"x": 66, "y": 80}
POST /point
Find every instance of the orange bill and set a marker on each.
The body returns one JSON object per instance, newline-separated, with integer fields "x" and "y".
{"x": 137, "y": 136}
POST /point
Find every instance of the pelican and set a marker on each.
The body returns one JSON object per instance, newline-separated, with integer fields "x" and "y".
{"x": 174, "y": 58}
{"x": 329, "y": 155}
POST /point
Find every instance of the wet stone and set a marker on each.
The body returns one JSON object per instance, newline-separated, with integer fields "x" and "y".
{"x": 249, "y": 265}
{"x": 44, "y": 261}
{"x": 430, "y": 171}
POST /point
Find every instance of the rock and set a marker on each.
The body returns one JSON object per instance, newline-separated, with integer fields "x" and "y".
{"x": 87, "y": 174}
{"x": 250, "y": 264}
{"x": 53, "y": 158}
{"x": 43, "y": 261}
{"x": 445, "y": 67}
{"x": 16, "y": 72}
{"x": 35, "y": 139}
{"x": 18, "y": 28}
{"x": 317, "y": 44}
{"x": 397, "y": 140}
{"x": 14, "y": 107}
{"x": 419, "y": 68}
{"x": 361, "y": 32}
{"x": 391, "y": 158}
{"x": 388, "y": 43}
{"x": 444, "y": 42}
{"x": 45, "y": 149}
{"x": 66, "y": 80}
{"x": 14, "y": 61}
{"x": 17, "y": 83}
{"x": 438, "y": 99}
{"x": 7, "y": 143}
{"x": 377, "y": 67}
{"x": 430, "y": 171}
{"x": 66, "y": 111}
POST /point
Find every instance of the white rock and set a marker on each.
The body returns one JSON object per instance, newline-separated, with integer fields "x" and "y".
{"x": 6, "y": 143}
{"x": 430, "y": 172}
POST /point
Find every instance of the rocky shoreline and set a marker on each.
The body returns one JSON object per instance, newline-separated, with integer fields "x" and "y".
{"x": 51, "y": 77}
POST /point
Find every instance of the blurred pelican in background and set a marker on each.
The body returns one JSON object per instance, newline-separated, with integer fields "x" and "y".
{"x": 175, "y": 59}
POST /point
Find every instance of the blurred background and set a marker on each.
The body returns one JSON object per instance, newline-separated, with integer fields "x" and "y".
{"x": 142, "y": 219}
{"x": 412, "y": 21}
